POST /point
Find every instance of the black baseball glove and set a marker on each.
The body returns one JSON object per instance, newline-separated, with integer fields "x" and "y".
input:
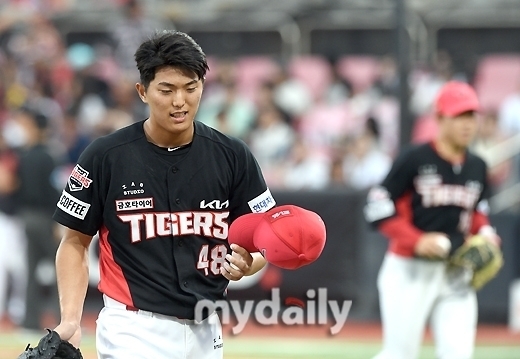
{"x": 51, "y": 346}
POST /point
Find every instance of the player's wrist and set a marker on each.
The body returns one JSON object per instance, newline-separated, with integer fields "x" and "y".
{"x": 258, "y": 263}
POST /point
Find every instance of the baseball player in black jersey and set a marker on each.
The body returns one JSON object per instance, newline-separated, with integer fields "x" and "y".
{"x": 161, "y": 193}
{"x": 433, "y": 198}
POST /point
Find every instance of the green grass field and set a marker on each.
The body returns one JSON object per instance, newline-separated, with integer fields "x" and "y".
{"x": 329, "y": 349}
{"x": 279, "y": 348}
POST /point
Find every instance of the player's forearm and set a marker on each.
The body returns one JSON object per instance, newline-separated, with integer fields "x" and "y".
{"x": 400, "y": 229}
{"x": 258, "y": 263}
{"x": 72, "y": 276}
{"x": 479, "y": 221}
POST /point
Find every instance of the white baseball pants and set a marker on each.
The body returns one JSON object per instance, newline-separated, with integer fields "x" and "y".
{"x": 122, "y": 334}
{"x": 411, "y": 291}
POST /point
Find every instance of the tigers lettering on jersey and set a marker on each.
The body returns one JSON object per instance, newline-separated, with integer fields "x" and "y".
{"x": 165, "y": 224}
{"x": 435, "y": 194}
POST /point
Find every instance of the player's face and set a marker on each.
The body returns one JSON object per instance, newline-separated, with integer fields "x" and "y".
{"x": 173, "y": 97}
{"x": 460, "y": 130}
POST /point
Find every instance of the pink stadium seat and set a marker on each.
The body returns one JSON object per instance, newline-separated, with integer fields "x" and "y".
{"x": 360, "y": 71}
{"x": 497, "y": 76}
{"x": 324, "y": 125}
{"x": 211, "y": 75}
{"x": 387, "y": 114}
{"x": 252, "y": 71}
{"x": 314, "y": 71}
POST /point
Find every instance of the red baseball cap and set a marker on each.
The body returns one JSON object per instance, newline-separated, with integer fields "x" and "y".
{"x": 288, "y": 236}
{"x": 455, "y": 98}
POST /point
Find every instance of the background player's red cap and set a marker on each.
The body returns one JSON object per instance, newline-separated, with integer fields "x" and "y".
{"x": 288, "y": 236}
{"x": 455, "y": 98}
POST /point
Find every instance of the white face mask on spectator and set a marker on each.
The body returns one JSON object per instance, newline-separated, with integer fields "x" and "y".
{"x": 14, "y": 134}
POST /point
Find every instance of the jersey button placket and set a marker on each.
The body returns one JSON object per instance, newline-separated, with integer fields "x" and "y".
{"x": 174, "y": 169}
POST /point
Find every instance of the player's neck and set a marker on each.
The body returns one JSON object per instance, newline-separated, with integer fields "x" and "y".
{"x": 162, "y": 138}
{"x": 449, "y": 151}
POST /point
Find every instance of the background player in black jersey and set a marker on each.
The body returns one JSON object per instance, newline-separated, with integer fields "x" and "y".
{"x": 432, "y": 199}
{"x": 161, "y": 193}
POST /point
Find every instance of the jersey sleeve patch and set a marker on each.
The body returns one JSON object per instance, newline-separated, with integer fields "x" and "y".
{"x": 134, "y": 204}
{"x": 78, "y": 179}
{"x": 73, "y": 206}
{"x": 262, "y": 203}
{"x": 379, "y": 205}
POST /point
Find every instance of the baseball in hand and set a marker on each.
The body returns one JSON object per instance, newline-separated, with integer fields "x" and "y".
{"x": 445, "y": 244}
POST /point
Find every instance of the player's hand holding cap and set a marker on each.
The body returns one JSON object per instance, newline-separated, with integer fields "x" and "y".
{"x": 288, "y": 236}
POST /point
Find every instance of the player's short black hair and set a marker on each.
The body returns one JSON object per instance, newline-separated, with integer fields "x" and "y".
{"x": 169, "y": 48}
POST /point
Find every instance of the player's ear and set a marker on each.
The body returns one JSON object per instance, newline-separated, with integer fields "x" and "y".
{"x": 141, "y": 90}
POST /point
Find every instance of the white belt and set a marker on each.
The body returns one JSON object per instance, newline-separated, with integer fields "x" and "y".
{"x": 112, "y": 303}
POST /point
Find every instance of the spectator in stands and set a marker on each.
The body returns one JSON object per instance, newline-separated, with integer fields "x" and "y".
{"x": 509, "y": 123}
{"x": 130, "y": 31}
{"x": 336, "y": 177}
{"x": 122, "y": 110}
{"x": 240, "y": 112}
{"x": 72, "y": 143}
{"x": 426, "y": 83}
{"x": 125, "y": 99}
{"x": 93, "y": 96}
{"x": 291, "y": 95}
{"x": 509, "y": 114}
{"x": 339, "y": 90}
{"x": 13, "y": 267}
{"x": 271, "y": 141}
{"x": 72, "y": 138}
{"x": 388, "y": 82}
{"x": 37, "y": 198}
{"x": 305, "y": 170}
{"x": 221, "y": 72}
{"x": 488, "y": 136}
{"x": 366, "y": 164}
{"x": 221, "y": 123}
{"x": 266, "y": 98}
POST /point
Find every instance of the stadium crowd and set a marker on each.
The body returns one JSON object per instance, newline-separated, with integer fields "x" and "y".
{"x": 313, "y": 123}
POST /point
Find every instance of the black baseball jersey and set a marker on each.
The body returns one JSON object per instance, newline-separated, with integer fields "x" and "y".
{"x": 162, "y": 216}
{"x": 432, "y": 193}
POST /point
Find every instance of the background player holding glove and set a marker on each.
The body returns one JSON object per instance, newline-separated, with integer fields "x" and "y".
{"x": 432, "y": 200}
{"x": 162, "y": 193}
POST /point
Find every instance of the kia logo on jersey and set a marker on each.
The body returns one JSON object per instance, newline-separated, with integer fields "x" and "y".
{"x": 78, "y": 179}
{"x": 215, "y": 204}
